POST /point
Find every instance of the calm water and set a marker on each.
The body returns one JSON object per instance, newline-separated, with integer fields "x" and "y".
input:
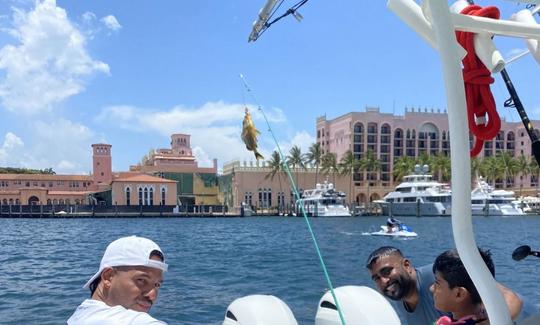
{"x": 44, "y": 263}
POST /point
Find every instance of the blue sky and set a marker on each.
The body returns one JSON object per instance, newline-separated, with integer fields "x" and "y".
{"x": 130, "y": 73}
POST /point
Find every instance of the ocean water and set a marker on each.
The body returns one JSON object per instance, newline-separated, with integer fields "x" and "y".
{"x": 212, "y": 261}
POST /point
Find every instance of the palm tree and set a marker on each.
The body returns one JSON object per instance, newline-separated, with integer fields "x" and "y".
{"x": 441, "y": 166}
{"x": 403, "y": 166}
{"x": 295, "y": 159}
{"x": 371, "y": 165}
{"x": 314, "y": 156}
{"x": 535, "y": 170}
{"x": 348, "y": 165}
{"x": 492, "y": 168}
{"x": 330, "y": 165}
{"x": 524, "y": 166}
{"x": 275, "y": 169}
{"x": 476, "y": 167}
{"x": 509, "y": 165}
{"x": 424, "y": 159}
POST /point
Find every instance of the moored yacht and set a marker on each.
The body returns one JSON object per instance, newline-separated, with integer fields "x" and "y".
{"x": 325, "y": 201}
{"x": 487, "y": 201}
{"x": 419, "y": 195}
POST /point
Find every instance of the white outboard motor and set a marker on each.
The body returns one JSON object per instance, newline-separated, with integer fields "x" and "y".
{"x": 359, "y": 305}
{"x": 259, "y": 310}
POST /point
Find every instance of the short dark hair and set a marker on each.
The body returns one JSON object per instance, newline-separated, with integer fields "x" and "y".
{"x": 93, "y": 286}
{"x": 453, "y": 271}
{"x": 381, "y": 252}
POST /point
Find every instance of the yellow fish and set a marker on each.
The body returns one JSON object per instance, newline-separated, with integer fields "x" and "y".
{"x": 249, "y": 135}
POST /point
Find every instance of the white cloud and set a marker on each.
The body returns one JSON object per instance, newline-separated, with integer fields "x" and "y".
{"x": 60, "y": 144}
{"x": 111, "y": 23}
{"x": 49, "y": 62}
{"x": 302, "y": 139}
{"x": 215, "y": 127}
{"x": 9, "y": 148}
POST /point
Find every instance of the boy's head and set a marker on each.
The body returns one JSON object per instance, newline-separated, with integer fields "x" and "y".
{"x": 453, "y": 286}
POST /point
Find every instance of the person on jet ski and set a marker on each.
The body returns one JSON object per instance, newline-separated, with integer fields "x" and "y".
{"x": 393, "y": 225}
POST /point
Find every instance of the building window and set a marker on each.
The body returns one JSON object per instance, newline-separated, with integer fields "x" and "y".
{"x": 145, "y": 196}
{"x": 128, "y": 196}
{"x": 248, "y": 198}
{"x": 140, "y": 196}
{"x": 151, "y": 194}
{"x": 163, "y": 196}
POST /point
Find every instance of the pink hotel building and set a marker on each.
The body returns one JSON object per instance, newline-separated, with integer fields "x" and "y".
{"x": 388, "y": 136}
{"x": 418, "y": 131}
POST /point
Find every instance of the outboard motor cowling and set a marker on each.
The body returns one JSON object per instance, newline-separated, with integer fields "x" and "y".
{"x": 359, "y": 305}
{"x": 259, "y": 310}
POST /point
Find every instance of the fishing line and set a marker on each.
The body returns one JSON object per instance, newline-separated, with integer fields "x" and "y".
{"x": 297, "y": 195}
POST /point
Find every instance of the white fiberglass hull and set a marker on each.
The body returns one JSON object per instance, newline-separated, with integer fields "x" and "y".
{"x": 496, "y": 210}
{"x": 429, "y": 209}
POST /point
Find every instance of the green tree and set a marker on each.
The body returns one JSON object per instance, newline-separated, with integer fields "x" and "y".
{"x": 314, "y": 157}
{"x": 492, "y": 169}
{"x": 348, "y": 165}
{"x": 276, "y": 168}
{"x": 509, "y": 165}
{"x": 296, "y": 159}
{"x": 476, "y": 168}
{"x": 524, "y": 166}
{"x": 403, "y": 166}
{"x": 371, "y": 164}
{"x": 440, "y": 164}
{"x": 535, "y": 170}
{"x": 330, "y": 165}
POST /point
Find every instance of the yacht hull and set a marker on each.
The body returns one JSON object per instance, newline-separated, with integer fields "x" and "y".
{"x": 417, "y": 209}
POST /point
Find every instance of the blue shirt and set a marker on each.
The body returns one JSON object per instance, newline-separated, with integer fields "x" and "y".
{"x": 425, "y": 312}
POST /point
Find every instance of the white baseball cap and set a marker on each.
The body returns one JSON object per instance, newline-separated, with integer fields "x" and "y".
{"x": 129, "y": 251}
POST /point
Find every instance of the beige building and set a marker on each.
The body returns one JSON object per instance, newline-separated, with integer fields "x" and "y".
{"x": 102, "y": 187}
{"x": 195, "y": 185}
{"x": 249, "y": 183}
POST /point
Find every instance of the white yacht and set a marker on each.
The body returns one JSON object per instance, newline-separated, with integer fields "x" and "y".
{"x": 487, "y": 201}
{"x": 325, "y": 201}
{"x": 419, "y": 195}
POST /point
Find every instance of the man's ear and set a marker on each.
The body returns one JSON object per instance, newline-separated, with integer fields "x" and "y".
{"x": 406, "y": 263}
{"x": 106, "y": 276}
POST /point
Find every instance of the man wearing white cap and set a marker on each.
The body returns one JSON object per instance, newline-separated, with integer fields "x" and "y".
{"x": 125, "y": 286}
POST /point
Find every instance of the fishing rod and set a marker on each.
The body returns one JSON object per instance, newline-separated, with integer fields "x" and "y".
{"x": 298, "y": 198}
{"x": 262, "y": 24}
{"x": 515, "y": 102}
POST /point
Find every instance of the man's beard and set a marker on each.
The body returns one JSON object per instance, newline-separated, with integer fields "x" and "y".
{"x": 399, "y": 288}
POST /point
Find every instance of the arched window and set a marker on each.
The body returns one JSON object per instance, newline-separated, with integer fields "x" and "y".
{"x": 55, "y": 201}
{"x": 163, "y": 195}
{"x": 140, "y": 196}
{"x": 10, "y": 201}
{"x": 61, "y": 201}
{"x": 68, "y": 201}
{"x": 151, "y": 192}
{"x": 128, "y": 196}
{"x": 5, "y": 201}
{"x": 145, "y": 196}
{"x": 17, "y": 201}
{"x": 49, "y": 202}
{"x": 77, "y": 201}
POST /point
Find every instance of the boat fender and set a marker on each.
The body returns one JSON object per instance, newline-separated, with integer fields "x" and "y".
{"x": 359, "y": 305}
{"x": 259, "y": 310}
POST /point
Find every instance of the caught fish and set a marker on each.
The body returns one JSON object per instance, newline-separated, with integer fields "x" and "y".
{"x": 249, "y": 135}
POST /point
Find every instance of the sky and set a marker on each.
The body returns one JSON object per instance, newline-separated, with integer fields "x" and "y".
{"x": 131, "y": 73}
